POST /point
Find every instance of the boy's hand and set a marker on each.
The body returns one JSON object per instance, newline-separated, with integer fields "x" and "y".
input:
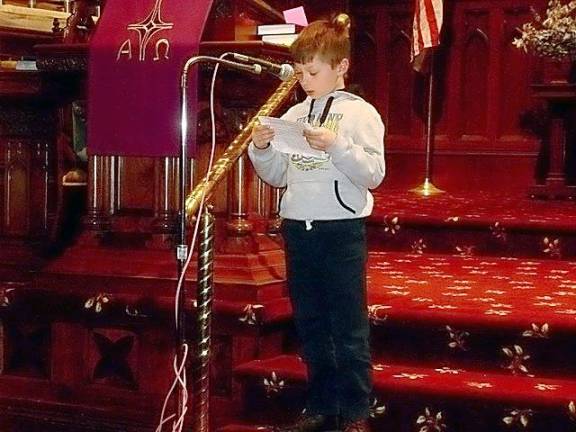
{"x": 262, "y": 135}
{"x": 319, "y": 138}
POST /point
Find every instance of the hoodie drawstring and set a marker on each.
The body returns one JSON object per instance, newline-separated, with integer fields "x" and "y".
{"x": 325, "y": 111}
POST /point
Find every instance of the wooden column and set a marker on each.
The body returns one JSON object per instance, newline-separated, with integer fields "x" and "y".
{"x": 274, "y": 219}
{"x": 100, "y": 173}
{"x": 238, "y": 223}
{"x": 166, "y": 188}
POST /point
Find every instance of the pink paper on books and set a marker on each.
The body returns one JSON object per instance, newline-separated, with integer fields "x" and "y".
{"x": 296, "y": 16}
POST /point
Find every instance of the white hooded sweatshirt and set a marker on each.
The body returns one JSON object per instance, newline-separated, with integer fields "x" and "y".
{"x": 336, "y": 185}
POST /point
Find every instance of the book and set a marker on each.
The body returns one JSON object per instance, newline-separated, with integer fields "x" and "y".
{"x": 280, "y": 39}
{"x": 27, "y": 18}
{"x": 27, "y": 65}
{"x": 275, "y": 29}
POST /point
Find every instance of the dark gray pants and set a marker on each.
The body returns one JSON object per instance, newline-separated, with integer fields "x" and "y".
{"x": 327, "y": 281}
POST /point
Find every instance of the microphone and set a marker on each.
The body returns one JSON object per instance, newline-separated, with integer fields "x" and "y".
{"x": 283, "y": 71}
{"x": 255, "y": 69}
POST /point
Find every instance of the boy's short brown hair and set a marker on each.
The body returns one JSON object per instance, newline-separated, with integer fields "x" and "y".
{"x": 329, "y": 40}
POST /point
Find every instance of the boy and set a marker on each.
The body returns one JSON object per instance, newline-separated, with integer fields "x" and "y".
{"x": 324, "y": 207}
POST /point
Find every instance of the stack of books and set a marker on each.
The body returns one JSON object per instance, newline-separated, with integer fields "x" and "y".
{"x": 280, "y": 34}
{"x": 27, "y": 18}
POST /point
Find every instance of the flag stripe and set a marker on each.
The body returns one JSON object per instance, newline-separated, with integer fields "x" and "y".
{"x": 432, "y": 23}
{"x": 426, "y": 26}
{"x": 418, "y": 37}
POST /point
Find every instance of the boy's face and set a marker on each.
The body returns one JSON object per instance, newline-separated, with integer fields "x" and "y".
{"x": 318, "y": 78}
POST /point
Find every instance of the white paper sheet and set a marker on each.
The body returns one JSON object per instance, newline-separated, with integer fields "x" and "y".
{"x": 289, "y": 136}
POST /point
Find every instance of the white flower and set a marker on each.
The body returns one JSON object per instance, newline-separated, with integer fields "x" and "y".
{"x": 250, "y": 316}
{"x": 273, "y": 384}
{"x": 496, "y": 312}
{"x": 546, "y": 387}
{"x": 379, "y": 367}
{"x": 517, "y": 416}
{"x": 447, "y": 370}
{"x": 537, "y": 331}
{"x": 554, "y": 36}
{"x": 376, "y": 410}
{"x": 97, "y": 302}
{"x": 410, "y": 376}
{"x": 572, "y": 410}
{"x": 480, "y": 385}
{"x": 374, "y": 314}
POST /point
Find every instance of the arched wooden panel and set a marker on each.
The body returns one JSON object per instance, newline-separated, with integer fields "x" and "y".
{"x": 40, "y": 183}
{"x": 365, "y": 54}
{"x": 474, "y": 96}
{"x": 17, "y": 188}
{"x": 400, "y": 96}
{"x": 515, "y": 76}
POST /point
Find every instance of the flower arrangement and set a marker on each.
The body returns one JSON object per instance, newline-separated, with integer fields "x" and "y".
{"x": 554, "y": 36}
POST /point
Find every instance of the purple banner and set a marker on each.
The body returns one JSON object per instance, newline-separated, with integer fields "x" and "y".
{"x": 136, "y": 59}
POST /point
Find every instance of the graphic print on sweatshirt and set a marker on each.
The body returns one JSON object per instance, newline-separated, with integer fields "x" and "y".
{"x": 310, "y": 163}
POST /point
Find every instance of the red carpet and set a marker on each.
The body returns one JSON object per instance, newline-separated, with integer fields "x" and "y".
{"x": 444, "y": 382}
{"x": 478, "y": 224}
{"x": 473, "y": 309}
{"x": 473, "y": 290}
{"x": 479, "y": 209}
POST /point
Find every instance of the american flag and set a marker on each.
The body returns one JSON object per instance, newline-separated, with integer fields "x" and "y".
{"x": 425, "y": 29}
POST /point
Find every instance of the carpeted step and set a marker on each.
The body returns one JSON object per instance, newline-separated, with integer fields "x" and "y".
{"x": 473, "y": 224}
{"x": 499, "y": 292}
{"x": 276, "y": 384}
{"x": 472, "y": 312}
{"x": 476, "y": 312}
{"x": 476, "y": 291}
{"x": 494, "y": 350}
{"x": 400, "y": 379}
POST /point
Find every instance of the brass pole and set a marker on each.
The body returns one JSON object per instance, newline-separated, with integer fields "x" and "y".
{"x": 204, "y": 297}
{"x": 427, "y": 188}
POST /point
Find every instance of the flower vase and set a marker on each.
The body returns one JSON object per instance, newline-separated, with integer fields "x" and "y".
{"x": 558, "y": 71}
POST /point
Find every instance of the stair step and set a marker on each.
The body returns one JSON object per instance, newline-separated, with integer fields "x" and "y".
{"x": 395, "y": 379}
{"x": 455, "y": 285}
{"x": 478, "y": 209}
{"x": 496, "y": 292}
{"x": 462, "y": 312}
{"x": 465, "y": 311}
{"x": 478, "y": 224}
{"x": 503, "y": 292}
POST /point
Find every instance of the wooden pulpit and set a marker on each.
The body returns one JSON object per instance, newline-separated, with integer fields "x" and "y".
{"x": 561, "y": 102}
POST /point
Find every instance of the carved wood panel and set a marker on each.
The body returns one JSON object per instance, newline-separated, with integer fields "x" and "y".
{"x": 112, "y": 358}
{"x": 17, "y": 188}
{"x": 482, "y": 93}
